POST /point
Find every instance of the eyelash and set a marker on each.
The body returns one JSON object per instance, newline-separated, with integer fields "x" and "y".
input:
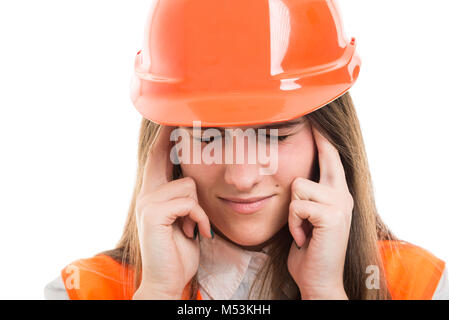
{"x": 280, "y": 138}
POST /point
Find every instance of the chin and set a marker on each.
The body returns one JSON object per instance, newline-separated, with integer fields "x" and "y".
{"x": 250, "y": 238}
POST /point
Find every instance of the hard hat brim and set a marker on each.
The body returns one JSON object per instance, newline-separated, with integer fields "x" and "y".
{"x": 238, "y": 110}
{"x": 295, "y": 97}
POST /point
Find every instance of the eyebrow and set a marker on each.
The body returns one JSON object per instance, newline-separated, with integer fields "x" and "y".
{"x": 280, "y": 125}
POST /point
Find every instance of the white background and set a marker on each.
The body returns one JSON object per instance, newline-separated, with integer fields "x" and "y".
{"x": 68, "y": 130}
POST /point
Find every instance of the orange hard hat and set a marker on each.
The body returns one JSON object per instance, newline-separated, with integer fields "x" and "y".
{"x": 239, "y": 63}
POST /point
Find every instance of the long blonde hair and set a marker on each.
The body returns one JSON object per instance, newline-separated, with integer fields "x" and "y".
{"x": 338, "y": 122}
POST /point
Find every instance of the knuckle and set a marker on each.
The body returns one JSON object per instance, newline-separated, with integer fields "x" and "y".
{"x": 294, "y": 206}
{"x": 189, "y": 182}
{"x": 299, "y": 188}
{"x": 190, "y": 202}
{"x": 348, "y": 203}
{"x": 144, "y": 215}
{"x": 348, "y": 214}
{"x": 140, "y": 203}
{"x": 342, "y": 216}
{"x": 298, "y": 183}
{"x": 143, "y": 200}
{"x": 351, "y": 201}
{"x": 339, "y": 212}
{"x": 336, "y": 220}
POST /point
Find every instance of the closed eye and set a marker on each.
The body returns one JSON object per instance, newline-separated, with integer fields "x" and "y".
{"x": 208, "y": 141}
{"x": 280, "y": 138}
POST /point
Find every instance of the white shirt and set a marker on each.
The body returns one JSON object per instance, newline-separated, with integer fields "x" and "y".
{"x": 226, "y": 272}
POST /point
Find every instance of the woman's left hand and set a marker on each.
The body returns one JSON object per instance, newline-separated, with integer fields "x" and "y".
{"x": 319, "y": 221}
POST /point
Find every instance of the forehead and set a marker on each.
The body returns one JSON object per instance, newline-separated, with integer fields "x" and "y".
{"x": 279, "y": 125}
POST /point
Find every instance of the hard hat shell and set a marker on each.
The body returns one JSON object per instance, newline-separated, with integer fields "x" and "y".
{"x": 241, "y": 63}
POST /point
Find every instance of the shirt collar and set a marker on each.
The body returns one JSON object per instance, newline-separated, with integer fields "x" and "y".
{"x": 223, "y": 266}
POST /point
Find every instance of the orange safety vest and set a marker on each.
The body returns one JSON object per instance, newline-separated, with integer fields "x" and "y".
{"x": 412, "y": 273}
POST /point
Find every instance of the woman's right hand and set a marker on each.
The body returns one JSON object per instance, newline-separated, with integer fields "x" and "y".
{"x": 166, "y": 214}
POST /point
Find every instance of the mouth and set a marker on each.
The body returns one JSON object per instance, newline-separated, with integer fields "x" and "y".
{"x": 248, "y": 205}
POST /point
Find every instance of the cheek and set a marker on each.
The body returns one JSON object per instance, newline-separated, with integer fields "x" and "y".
{"x": 296, "y": 157}
{"x": 205, "y": 176}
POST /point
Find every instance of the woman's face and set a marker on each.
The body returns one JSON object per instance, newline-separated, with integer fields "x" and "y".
{"x": 216, "y": 182}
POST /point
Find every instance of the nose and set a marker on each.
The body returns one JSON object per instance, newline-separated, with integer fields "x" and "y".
{"x": 243, "y": 176}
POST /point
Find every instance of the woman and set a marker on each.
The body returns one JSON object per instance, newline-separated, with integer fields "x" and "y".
{"x": 307, "y": 230}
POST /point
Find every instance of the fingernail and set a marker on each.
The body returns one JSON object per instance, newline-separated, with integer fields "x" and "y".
{"x": 211, "y": 232}
{"x": 195, "y": 231}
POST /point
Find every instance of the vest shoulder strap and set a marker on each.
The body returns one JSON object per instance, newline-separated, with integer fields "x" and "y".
{"x": 102, "y": 278}
{"x": 412, "y": 273}
{"x": 96, "y": 278}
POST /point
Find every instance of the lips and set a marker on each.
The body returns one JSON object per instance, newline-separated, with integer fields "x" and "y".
{"x": 248, "y": 205}
{"x": 248, "y": 200}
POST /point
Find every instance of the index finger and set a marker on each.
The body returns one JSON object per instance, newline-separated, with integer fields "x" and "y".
{"x": 158, "y": 168}
{"x": 331, "y": 168}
